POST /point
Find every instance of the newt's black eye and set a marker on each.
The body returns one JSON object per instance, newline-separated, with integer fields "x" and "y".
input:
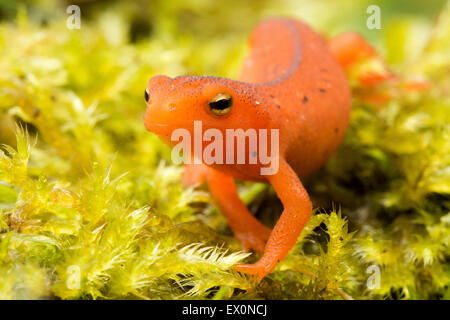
{"x": 221, "y": 104}
{"x": 147, "y": 96}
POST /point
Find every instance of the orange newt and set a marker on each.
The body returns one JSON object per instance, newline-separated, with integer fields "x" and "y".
{"x": 292, "y": 81}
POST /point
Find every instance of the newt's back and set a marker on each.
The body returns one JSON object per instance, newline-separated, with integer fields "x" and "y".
{"x": 295, "y": 69}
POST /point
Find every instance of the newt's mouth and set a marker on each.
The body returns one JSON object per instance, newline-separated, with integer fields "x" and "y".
{"x": 153, "y": 127}
{"x": 151, "y": 122}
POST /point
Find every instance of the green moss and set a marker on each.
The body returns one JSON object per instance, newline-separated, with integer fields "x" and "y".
{"x": 91, "y": 207}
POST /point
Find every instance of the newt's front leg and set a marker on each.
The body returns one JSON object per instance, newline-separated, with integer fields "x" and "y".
{"x": 252, "y": 233}
{"x": 194, "y": 174}
{"x": 297, "y": 210}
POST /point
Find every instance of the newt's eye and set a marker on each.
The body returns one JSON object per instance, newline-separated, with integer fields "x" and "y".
{"x": 221, "y": 104}
{"x": 147, "y": 96}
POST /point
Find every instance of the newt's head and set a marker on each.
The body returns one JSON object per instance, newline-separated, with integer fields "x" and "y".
{"x": 217, "y": 102}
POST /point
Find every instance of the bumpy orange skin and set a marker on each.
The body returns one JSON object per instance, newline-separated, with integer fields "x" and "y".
{"x": 291, "y": 81}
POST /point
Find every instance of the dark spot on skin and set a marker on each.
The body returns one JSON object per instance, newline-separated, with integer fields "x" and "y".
{"x": 322, "y": 90}
{"x": 336, "y": 130}
{"x": 278, "y": 107}
{"x": 305, "y": 99}
{"x": 323, "y": 70}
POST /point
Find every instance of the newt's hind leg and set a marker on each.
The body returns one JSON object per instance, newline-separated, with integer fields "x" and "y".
{"x": 252, "y": 233}
{"x": 351, "y": 49}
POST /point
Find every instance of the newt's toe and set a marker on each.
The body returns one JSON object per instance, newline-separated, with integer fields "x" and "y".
{"x": 258, "y": 269}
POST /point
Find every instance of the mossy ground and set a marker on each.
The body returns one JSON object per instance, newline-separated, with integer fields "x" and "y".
{"x": 91, "y": 207}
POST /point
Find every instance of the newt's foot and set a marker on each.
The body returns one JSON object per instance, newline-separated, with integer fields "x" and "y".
{"x": 254, "y": 238}
{"x": 259, "y": 269}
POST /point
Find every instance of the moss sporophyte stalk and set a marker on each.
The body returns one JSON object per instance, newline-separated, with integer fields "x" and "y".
{"x": 92, "y": 207}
